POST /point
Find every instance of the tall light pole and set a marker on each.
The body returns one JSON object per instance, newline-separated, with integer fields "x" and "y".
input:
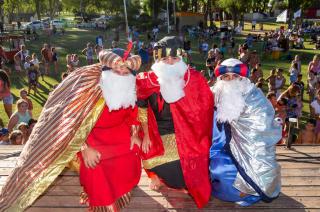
{"x": 168, "y": 19}
{"x": 126, "y": 17}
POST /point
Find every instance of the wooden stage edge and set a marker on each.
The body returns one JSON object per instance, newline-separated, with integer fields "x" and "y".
{"x": 300, "y": 188}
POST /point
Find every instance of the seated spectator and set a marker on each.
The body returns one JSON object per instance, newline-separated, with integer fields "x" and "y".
{"x": 23, "y": 127}
{"x": 75, "y": 60}
{"x": 271, "y": 96}
{"x": 21, "y": 115}
{"x": 24, "y": 95}
{"x": 64, "y": 75}
{"x": 31, "y": 124}
{"x": 300, "y": 43}
{"x": 254, "y": 59}
{"x": 16, "y": 137}
{"x": 4, "y": 136}
{"x": 259, "y": 70}
{"x": 254, "y": 76}
{"x": 259, "y": 85}
{"x": 308, "y": 135}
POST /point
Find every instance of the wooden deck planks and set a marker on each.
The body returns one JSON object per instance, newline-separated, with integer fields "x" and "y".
{"x": 300, "y": 190}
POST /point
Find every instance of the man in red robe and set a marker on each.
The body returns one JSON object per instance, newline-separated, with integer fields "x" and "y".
{"x": 175, "y": 109}
{"x": 110, "y": 166}
{"x": 92, "y": 112}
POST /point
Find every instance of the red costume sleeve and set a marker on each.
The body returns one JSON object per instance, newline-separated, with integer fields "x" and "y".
{"x": 144, "y": 89}
{"x": 193, "y": 120}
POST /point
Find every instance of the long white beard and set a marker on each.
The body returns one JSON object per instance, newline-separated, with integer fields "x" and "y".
{"x": 229, "y": 98}
{"x": 118, "y": 91}
{"x": 171, "y": 79}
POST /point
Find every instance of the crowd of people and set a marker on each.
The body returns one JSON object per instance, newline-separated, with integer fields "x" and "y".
{"x": 287, "y": 103}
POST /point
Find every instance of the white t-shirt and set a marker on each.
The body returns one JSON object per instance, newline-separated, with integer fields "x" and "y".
{"x": 316, "y": 106}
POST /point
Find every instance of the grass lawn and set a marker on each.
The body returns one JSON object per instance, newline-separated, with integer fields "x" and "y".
{"x": 75, "y": 40}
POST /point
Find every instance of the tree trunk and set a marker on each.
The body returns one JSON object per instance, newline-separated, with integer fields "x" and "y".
{"x": 37, "y": 3}
{"x": 235, "y": 17}
{"x": 210, "y": 12}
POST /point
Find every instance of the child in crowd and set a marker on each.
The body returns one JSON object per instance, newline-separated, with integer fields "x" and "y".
{"x": 294, "y": 73}
{"x": 69, "y": 63}
{"x": 308, "y": 135}
{"x": 271, "y": 96}
{"x": 64, "y": 75}
{"x": 54, "y": 59}
{"x": 16, "y": 137}
{"x": 298, "y": 62}
{"x": 31, "y": 124}
{"x": 35, "y": 60}
{"x": 4, "y": 136}
{"x": 23, "y": 127}
{"x": 89, "y": 52}
{"x": 27, "y": 63}
{"x": 75, "y": 60}
{"x": 271, "y": 79}
{"x": 17, "y": 62}
{"x": 97, "y": 50}
{"x": 24, "y": 95}
{"x": 33, "y": 76}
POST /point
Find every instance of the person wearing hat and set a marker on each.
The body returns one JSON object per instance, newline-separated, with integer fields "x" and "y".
{"x": 175, "y": 110}
{"x": 93, "y": 114}
{"x": 243, "y": 166}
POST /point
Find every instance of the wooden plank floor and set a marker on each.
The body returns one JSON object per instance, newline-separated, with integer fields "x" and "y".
{"x": 300, "y": 188}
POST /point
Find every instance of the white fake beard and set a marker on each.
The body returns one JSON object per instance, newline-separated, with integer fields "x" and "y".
{"x": 118, "y": 91}
{"x": 171, "y": 79}
{"x": 229, "y": 98}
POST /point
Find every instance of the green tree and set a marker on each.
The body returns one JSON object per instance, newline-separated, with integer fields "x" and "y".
{"x": 235, "y": 8}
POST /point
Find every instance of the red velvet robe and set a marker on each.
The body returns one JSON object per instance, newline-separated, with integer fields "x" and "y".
{"x": 119, "y": 169}
{"x": 193, "y": 119}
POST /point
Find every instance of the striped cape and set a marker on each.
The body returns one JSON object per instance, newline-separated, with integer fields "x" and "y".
{"x": 63, "y": 126}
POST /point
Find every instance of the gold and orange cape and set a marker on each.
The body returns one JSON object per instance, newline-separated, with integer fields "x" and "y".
{"x": 67, "y": 118}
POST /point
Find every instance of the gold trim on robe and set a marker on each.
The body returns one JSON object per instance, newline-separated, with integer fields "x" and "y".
{"x": 170, "y": 152}
{"x": 48, "y": 176}
{"x": 143, "y": 114}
